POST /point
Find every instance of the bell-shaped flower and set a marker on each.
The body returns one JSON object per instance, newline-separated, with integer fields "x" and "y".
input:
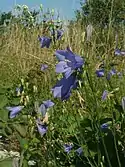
{"x": 119, "y": 52}
{"x": 79, "y": 151}
{"x": 44, "y": 67}
{"x": 42, "y": 128}
{"x": 111, "y": 73}
{"x": 45, "y": 41}
{"x": 63, "y": 87}
{"x": 68, "y": 147}
{"x": 104, "y": 95}
{"x": 14, "y": 110}
{"x": 46, "y": 104}
{"x": 100, "y": 73}
{"x": 68, "y": 62}
{"x": 59, "y": 34}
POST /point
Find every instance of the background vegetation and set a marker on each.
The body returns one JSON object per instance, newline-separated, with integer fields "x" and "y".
{"x": 86, "y": 121}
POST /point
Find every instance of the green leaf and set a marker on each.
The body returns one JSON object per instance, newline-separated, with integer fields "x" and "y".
{"x": 23, "y": 142}
{"x": 25, "y": 163}
{"x": 6, "y": 163}
{"x": 22, "y": 130}
{"x": 3, "y": 101}
{"x": 3, "y": 115}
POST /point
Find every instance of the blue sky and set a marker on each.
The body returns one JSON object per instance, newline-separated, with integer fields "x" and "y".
{"x": 65, "y": 7}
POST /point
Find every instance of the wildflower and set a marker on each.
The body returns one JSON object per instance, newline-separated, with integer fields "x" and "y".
{"x": 79, "y": 151}
{"x": 104, "y": 126}
{"x": 46, "y": 104}
{"x": 104, "y": 95}
{"x": 45, "y": 41}
{"x": 68, "y": 147}
{"x": 44, "y": 67}
{"x": 118, "y": 52}
{"x": 59, "y": 34}
{"x": 42, "y": 128}
{"x": 68, "y": 62}
{"x": 123, "y": 103}
{"x": 62, "y": 67}
{"x": 100, "y": 73}
{"x": 111, "y": 73}
{"x": 19, "y": 90}
{"x": 63, "y": 88}
{"x": 14, "y": 110}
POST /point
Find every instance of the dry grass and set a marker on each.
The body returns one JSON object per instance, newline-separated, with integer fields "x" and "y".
{"x": 20, "y": 49}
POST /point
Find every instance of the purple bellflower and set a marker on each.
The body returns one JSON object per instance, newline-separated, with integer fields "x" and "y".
{"x": 104, "y": 95}
{"x": 118, "y": 52}
{"x": 14, "y": 110}
{"x": 46, "y": 104}
{"x": 100, "y": 73}
{"x": 44, "y": 67}
{"x": 104, "y": 126}
{"x": 42, "y": 128}
{"x": 79, "y": 151}
{"x": 45, "y": 41}
{"x": 68, "y": 62}
{"x": 68, "y": 147}
{"x": 111, "y": 73}
{"x": 59, "y": 34}
{"x": 63, "y": 87}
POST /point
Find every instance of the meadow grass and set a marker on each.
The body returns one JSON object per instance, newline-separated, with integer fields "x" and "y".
{"x": 77, "y": 120}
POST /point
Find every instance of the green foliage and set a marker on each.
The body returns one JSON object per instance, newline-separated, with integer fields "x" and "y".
{"x": 5, "y": 18}
{"x": 102, "y": 12}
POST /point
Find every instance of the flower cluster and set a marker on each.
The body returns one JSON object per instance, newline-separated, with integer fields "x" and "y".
{"x": 42, "y": 127}
{"x": 69, "y": 64}
{"x": 101, "y": 73}
{"x": 55, "y": 35}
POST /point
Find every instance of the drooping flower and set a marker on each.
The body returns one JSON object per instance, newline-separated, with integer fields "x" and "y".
{"x": 68, "y": 147}
{"x": 46, "y": 104}
{"x": 119, "y": 52}
{"x": 14, "y": 110}
{"x": 59, "y": 34}
{"x": 45, "y": 41}
{"x": 44, "y": 67}
{"x": 63, "y": 87}
{"x": 104, "y": 126}
{"x": 100, "y": 73}
{"x": 62, "y": 67}
{"x": 111, "y": 73}
{"x": 104, "y": 95}
{"x": 79, "y": 151}
{"x": 68, "y": 62}
{"x": 42, "y": 128}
